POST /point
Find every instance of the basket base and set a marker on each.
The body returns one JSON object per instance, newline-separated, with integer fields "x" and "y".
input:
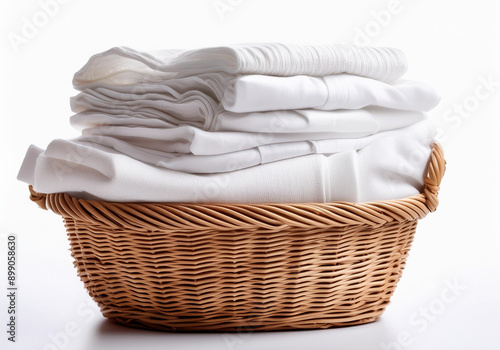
{"x": 238, "y": 327}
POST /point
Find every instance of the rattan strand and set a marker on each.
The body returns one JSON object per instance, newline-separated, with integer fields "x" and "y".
{"x": 228, "y": 267}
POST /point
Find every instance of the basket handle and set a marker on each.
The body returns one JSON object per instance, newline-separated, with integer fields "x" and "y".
{"x": 38, "y": 198}
{"x": 435, "y": 172}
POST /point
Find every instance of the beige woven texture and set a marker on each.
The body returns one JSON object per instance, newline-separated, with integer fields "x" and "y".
{"x": 222, "y": 267}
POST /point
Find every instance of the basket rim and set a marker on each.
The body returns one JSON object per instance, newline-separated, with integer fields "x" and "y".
{"x": 146, "y": 216}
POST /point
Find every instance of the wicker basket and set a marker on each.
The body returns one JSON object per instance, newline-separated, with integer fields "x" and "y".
{"x": 227, "y": 267}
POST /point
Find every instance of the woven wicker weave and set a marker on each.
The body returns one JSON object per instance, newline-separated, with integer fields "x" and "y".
{"x": 231, "y": 267}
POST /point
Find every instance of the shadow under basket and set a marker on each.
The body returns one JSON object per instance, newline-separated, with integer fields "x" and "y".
{"x": 228, "y": 267}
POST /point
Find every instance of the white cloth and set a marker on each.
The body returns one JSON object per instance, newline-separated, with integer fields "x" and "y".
{"x": 367, "y": 120}
{"x": 126, "y": 66}
{"x": 218, "y": 163}
{"x": 188, "y": 139}
{"x": 364, "y": 121}
{"x": 178, "y": 102}
{"x": 246, "y": 149}
{"x": 254, "y": 93}
{"x": 391, "y": 166}
{"x": 190, "y": 100}
{"x": 241, "y": 124}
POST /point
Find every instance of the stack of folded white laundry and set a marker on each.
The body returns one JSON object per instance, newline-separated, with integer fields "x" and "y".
{"x": 242, "y": 124}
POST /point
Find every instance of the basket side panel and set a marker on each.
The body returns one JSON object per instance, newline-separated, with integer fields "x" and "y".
{"x": 265, "y": 279}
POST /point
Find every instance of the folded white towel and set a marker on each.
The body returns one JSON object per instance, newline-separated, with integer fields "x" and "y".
{"x": 128, "y": 66}
{"x": 218, "y": 163}
{"x": 387, "y": 168}
{"x": 287, "y": 134}
{"x": 176, "y": 103}
{"x": 192, "y": 108}
{"x": 366, "y": 121}
{"x": 254, "y": 93}
{"x": 187, "y": 139}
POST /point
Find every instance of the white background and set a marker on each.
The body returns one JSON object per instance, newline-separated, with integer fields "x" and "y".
{"x": 453, "y": 45}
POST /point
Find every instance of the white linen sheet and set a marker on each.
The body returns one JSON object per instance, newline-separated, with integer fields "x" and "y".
{"x": 389, "y": 167}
